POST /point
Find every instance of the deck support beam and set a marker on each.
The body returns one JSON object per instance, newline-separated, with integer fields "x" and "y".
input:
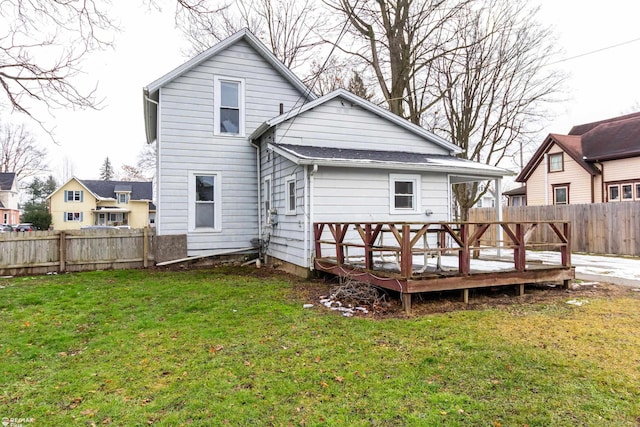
{"x": 465, "y": 295}
{"x": 406, "y": 302}
{"x": 520, "y": 289}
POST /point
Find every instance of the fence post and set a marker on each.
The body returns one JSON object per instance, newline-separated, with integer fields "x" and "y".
{"x": 63, "y": 252}
{"x": 145, "y": 247}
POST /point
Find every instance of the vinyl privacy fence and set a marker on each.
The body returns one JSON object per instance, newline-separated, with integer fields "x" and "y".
{"x": 44, "y": 252}
{"x": 601, "y": 228}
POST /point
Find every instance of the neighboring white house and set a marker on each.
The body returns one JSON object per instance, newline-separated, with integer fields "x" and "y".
{"x": 245, "y": 151}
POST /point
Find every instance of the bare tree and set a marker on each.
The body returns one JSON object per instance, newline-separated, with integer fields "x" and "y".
{"x": 145, "y": 167}
{"x": 20, "y": 153}
{"x": 399, "y": 43}
{"x": 42, "y": 43}
{"x": 494, "y": 89}
{"x": 290, "y": 28}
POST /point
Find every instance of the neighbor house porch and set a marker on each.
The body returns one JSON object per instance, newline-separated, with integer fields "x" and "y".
{"x": 414, "y": 257}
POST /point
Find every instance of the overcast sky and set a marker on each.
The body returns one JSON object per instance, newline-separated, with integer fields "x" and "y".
{"x": 600, "y": 85}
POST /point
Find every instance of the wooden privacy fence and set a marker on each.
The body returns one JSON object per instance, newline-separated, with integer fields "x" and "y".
{"x": 601, "y": 228}
{"x": 44, "y": 252}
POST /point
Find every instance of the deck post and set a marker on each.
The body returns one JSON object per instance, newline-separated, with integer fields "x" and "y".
{"x": 406, "y": 302}
{"x": 406, "y": 258}
{"x": 368, "y": 243}
{"x": 520, "y": 289}
{"x": 339, "y": 248}
{"x": 565, "y": 251}
{"x": 464, "y": 259}
{"x": 465, "y": 296}
{"x": 519, "y": 252}
{"x": 317, "y": 232}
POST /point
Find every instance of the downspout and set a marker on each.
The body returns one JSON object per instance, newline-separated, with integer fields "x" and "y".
{"x": 311, "y": 213}
{"x": 603, "y": 191}
{"x": 305, "y": 210}
{"x": 546, "y": 178}
{"x": 259, "y": 173}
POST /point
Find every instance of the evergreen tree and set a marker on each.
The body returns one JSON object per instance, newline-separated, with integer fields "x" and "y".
{"x": 35, "y": 210}
{"x": 356, "y": 86}
{"x": 106, "y": 171}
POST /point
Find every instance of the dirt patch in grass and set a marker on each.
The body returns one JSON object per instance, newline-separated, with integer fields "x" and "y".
{"x": 479, "y": 299}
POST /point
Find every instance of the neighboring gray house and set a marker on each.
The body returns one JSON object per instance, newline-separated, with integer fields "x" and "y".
{"x": 245, "y": 151}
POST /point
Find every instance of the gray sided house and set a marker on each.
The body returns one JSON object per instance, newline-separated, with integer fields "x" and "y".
{"x": 246, "y": 152}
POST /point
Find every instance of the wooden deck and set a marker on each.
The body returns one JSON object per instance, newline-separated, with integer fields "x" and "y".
{"x": 424, "y": 257}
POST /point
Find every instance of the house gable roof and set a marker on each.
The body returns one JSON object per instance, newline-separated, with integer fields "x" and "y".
{"x": 366, "y": 105}
{"x": 107, "y": 189}
{"x": 584, "y": 128}
{"x": 570, "y": 144}
{"x": 150, "y": 92}
{"x": 324, "y": 156}
{"x": 102, "y": 190}
{"x": 6, "y": 180}
{"x": 613, "y": 140}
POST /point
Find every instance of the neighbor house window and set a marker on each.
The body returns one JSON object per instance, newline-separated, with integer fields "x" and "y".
{"x": 627, "y": 191}
{"x": 290, "y": 195}
{"x": 204, "y": 202}
{"x": 73, "y": 196}
{"x": 123, "y": 197}
{"x": 637, "y": 191}
{"x": 561, "y": 194}
{"x": 556, "y": 162}
{"x": 229, "y": 106}
{"x": 405, "y": 190}
{"x": 614, "y": 193}
{"x": 73, "y": 216}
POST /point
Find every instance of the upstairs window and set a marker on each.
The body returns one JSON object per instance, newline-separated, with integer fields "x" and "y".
{"x": 556, "y": 163}
{"x": 73, "y": 196}
{"x": 229, "y": 106}
{"x": 123, "y": 198}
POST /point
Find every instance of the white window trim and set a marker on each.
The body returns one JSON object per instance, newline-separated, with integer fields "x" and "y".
{"x": 417, "y": 192}
{"x": 555, "y": 196}
{"x": 217, "y": 102}
{"x": 287, "y": 194}
{"x": 619, "y": 198}
{"x": 561, "y": 156}
{"x": 626, "y": 199}
{"x": 267, "y": 197}
{"x": 217, "y": 196}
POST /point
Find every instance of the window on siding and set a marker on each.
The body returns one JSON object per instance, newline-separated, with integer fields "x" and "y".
{"x": 290, "y": 195}
{"x": 561, "y": 195}
{"x": 123, "y": 198}
{"x": 204, "y": 202}
{"x": 627, "y": 191}
{"x": 229, "y": 106}
{"x": 267, "y": 199}
{"x": 73, "y": 196}
{"x": 556, "y": 162}
{"x": 73, "y": 216}
{"x": 614, "y": 193}
{"x": 637, "y": 191}
{"x": 404, "y": 192}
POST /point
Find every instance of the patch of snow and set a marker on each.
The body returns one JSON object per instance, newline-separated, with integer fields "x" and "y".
{"x": 577, "y": 302}
{"x": 307, "y": 305}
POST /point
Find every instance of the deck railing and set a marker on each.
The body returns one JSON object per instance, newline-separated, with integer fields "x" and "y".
{"x": 342, "y": 241}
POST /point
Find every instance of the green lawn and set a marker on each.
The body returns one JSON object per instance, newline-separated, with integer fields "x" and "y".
{"x": 225, "y": 347}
